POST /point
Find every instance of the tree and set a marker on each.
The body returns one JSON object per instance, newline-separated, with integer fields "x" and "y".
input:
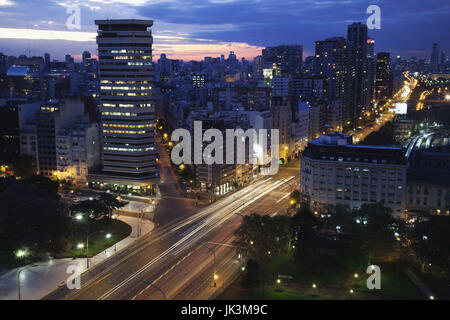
{"x": 251, "y": 275}
{"x": 304, "y": 226}
{"x": 111, "y": 203}
{"x": 321, "y": 247}
{"x": 29, "y": 218}
{"x": 45, "y": 183}
{"x": 262, "y": 236}
{"x": 336, "y": 215}
{"x": 104, "y": 206}
{"x": 23, "y": 166}
{"x": 431, "y": 242}
{"x": 373, "y": 229}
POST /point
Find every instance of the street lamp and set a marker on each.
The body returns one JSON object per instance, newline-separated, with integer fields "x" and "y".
{"x": 214, "y": 256}
{"x": 108, "y": 236}
{"x": 21, "y": 253}
{"x": 80, "y": 246}
{"x": 87, "y": 245}
{"x": 18, "y": 278}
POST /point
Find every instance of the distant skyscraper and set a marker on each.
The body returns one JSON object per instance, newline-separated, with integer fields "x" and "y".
{"x": 69, "y": 62}
{"x": 371, "y": 71}
{"x": 257, "y": 67}
{"x": 330, "y": 63}
{"x": 47, "y": 60}
{"x": 86, "y": 55}
{"x": 288, "y": 59}
{"x": 164, "y": 64}
{"x": 435, "y": 58}
{"x": 384, "y": 79}
{"x": 358, "y": 85}
{"x": 127, "y": 104}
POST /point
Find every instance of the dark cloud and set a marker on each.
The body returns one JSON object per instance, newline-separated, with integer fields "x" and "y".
{"x": 407, "y": 26}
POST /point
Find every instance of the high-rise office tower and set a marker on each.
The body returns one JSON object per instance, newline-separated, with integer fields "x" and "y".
{"x": 287, "y": 59}
{"x": 358, "y": 77}
{"x": 383, "y": 79}
{"x": 258, "y": 67}
{"x": 435, "y": 58}
{"x": 47, "y": 60}
{"x": 127, "y": 105}
{"x": 330, "y": 63}
{"x": 164, "y": 64}
{"x": 371, "y": 72}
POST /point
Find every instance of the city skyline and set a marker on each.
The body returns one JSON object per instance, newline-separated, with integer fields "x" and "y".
{"x": 306, "y": 156}
{"x": 211, "y": 28}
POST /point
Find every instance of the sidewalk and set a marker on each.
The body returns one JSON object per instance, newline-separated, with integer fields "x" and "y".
{"x": 44, "y": 277}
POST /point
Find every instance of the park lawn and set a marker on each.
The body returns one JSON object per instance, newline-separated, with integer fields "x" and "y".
{"x": 394, "y": 283}
{"x": 280, "y": 295}
{"x": 285, "y": 265}
{"x": 97, "y": 241}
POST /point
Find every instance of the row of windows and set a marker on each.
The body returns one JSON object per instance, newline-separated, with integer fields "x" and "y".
{"x": 137, "y": 126}
{"x": 122, "y": 114}
{"x": 126, "y": 131}
{"x": 125, "y": 82}
{"x": 128, "y": 94}
{"x": 126, "y": 57}
{"x": 124, "y": 51}
{"x": 128, "y": 149}
{"x": 124, "y": 105}
{"x": 124, "y": 64}
{"x": 124, "y": 88}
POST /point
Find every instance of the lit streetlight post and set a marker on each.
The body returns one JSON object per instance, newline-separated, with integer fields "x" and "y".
{"x": 18, "y": 278}
{"x": 87, "y": 245}
{"x": 215, "y": 276}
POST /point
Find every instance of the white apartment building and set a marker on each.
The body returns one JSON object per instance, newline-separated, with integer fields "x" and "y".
{"x": 334, "y": 171}
{"x": 77, "y": 151}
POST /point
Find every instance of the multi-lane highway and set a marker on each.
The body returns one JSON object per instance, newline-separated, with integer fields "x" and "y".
{"x": 401, "y": 96}
{"x": 172, "y": 259}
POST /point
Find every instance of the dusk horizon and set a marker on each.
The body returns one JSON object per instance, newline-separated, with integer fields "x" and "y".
{"x": 219, "y": 27}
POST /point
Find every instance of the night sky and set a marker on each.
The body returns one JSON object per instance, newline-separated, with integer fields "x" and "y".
{"x": 192, "y": 29}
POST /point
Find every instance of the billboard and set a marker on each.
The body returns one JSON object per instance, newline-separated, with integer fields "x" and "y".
{"x": 401, "y": 108}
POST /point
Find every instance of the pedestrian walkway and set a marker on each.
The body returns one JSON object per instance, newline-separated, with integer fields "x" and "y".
{"x": 426, "y": 291}
{"x": 39, "y": 279}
